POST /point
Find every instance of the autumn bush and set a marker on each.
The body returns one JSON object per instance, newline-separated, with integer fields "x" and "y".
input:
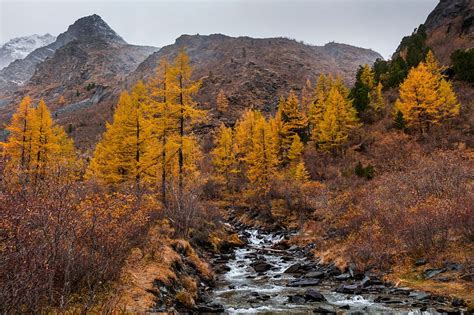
{"x": 60, "y": 245}
{"x": 419, "y": 211}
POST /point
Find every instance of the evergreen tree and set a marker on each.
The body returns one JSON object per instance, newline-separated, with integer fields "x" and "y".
{"x": 296, "y": 149}
{"x": 301, "y": 174}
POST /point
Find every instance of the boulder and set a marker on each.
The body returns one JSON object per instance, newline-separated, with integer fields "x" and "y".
{"x": 293, "y": 268}
{"x": 314, "y": 296}
{"x": 296, "y": 299}
{"x": 349, "y": 289}
{"x": 303, "y": 283}
{"x": 323, "y": 310}
{"x": 343, "y": 277}
{"x": 261, "y": 266}
{"x": 421, "y": 262}
{"x": 419, "y": 295}
{"x": 210, "y": 308}
{"x": 315, "y": 275}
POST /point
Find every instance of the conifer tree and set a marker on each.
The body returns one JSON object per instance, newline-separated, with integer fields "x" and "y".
{"x": 164, "y": 115}
{"x": 339, "y": 118}
{"x": 184, "y": 88}
{"x": 317, "y": 108}
{"x": 296, "y": 149}
{"x": 222, "y": 102}
{"x": 426, "y": 98}
{"x": 123, "y": 154}
{"x": 301, "y": 174}
{"x": 307, "y": 97}
{"x": 37, "y": 148}
{"x": 262, "y": 159}
{"x": 224, "y": 155}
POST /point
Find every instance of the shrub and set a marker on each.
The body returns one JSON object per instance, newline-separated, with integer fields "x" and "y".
{"x": 463, "y": 64}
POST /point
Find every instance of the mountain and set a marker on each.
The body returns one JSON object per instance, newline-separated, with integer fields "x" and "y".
{"x": 256, "y": 72}
{"x": 20, "y": 47}
{"x": 450, "y": 27}
{"x": 81, "y": 74}
{"x": 85, "y": 29}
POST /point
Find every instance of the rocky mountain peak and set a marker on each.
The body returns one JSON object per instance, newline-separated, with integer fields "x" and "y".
{"x": 91, "y": 27}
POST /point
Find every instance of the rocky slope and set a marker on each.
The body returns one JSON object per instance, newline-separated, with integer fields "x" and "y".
{"x": 256, "y": 72}
{"x": 84, "y": 29}
{"x": 20, "y": 47}
{"x": 450, "y": 27}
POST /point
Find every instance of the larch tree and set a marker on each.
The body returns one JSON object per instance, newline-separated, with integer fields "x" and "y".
{"x": 123, "y": 153}
{"x": 293, "y": 123}
{"x": 307, "y": 97}
{"x": 184, "y": 88}
{"x": 317, "y": 108}
{"x": 164, "y": 121}
{"x": 224, "y": 155}
{"x": 37, "y": 148}
{"x": 339, "y": 118}
{"x": 262, "y": 159}
{"x": 296, "y": 149}
{"x": 301, "y": 174}
{"x": 222, "y": 102}
{"x": 426, "y": 98}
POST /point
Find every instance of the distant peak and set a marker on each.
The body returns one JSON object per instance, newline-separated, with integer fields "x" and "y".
{"x": 93, "y": 26}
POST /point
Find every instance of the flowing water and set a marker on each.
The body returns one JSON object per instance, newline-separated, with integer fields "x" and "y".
{"x": 242, "y": 290}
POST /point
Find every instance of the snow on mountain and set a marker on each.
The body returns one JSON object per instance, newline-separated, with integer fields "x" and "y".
{"x": 20, "y": 47}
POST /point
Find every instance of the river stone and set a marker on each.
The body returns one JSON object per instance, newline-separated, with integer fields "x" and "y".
{"x": 349, "y": 289}
{"x": 314, "y": 296}
{"x": 298, "y": 299}
{"x": 211, "y": 308}
{"x": 421, "y": 262}
{"x": 342, "y": 277}
{"x": 323, "y": 310}
{"x": 293, "y": 268}
{"x": 261, "y": 266}
{"x": 315, "y": 275}
{"x": 303, "y": 283}
{"x": 419, "y": 295}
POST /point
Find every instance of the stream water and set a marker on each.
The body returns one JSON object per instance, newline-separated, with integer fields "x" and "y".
{"x": 240, "y": 289}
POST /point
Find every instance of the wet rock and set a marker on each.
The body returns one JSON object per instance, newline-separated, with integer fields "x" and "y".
{"x": 419, "y": 295}
{"x": 421, "y": 262}
{"x": 323, "y": 310}
{"x": 314, "y": 296}
{"x": 293, "y": 268}
{"x": 303, "y": 283}
{"x": 387, "y": 300}
{"x": 261, "y": 266}
{"x": 430, "y": 273}
{"x": 448, "y": 311}
{"x": 315, "y": 275}
{"x": 343, "y": 277}
{"x": 401, "y": 291}
{"x": 298, "y": 299}
{"x": 211, "y": 308}
{"x": 345, "y": 307}
{"x": 349, "y": 289}
{"x": 221, "y": 268}
{"x": 370, "y": 281}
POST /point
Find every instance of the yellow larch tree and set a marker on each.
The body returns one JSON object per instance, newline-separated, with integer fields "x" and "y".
{"x": 184, "y": 88}
{"x": 293, "y": 123}
{"x": 317, "y": 108}
{"x": 37, "y": 148}
{"x": 339, "y": 118}
{"x": 262, "y": 160}
{"x": 164, "y": 123}
{"x": 307, "y": 97}
{"x": 224, "y": 155}
{"x": 426, "y": 98}
{"x": 296, "y": 149}
{"x": 123, "y": 153}
{"x": 301, "y": 174}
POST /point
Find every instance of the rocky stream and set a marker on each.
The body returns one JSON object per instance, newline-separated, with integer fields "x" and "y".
{"x": 268, "y": 277}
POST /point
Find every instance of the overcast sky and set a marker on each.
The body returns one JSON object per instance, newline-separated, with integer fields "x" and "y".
{"x": 376, "y": 24}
